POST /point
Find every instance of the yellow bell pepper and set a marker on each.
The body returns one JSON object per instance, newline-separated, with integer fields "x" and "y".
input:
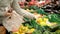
{"x": 31, "y": 30}
{"x": 42, "y": 21}
{"x": 39, "y": 20}
{"x": 15, "y": 33}
{"x": 43, "y": 24}
{"x": 23, "y": 29}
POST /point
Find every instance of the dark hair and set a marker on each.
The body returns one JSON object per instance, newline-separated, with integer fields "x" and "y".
{"x": 54, "y": 1}
{"x": 25, "y": 4}
{"x": 28, "y": 0}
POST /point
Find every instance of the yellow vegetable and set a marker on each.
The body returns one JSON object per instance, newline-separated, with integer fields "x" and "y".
{"x": 28, "y": 10}
{"x": 22, "y": 33}
{"x": 42, "y": 21}
{"x": 31, "y": 30}
{"x": 23, "y": 29}
{"x": 43, "y": 24}
{"x": 31, "y": 10}
{"x": 15, "y": 33}
{"x": 39, "y": 20}
{"x": 45, "y": 19}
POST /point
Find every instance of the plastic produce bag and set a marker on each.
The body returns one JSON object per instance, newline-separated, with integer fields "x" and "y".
{"x": 13, "y": 22}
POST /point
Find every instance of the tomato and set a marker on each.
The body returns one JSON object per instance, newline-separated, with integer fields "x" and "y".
{"x": 31, "y": 3}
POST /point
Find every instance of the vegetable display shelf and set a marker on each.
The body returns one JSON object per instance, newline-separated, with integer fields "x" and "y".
{"x": 47, "y": 18}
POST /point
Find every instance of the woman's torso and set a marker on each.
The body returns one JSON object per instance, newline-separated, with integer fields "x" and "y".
{"x": 5, "y": 3}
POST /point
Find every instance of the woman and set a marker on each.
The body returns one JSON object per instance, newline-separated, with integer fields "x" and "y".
{"x": 7, "y": 18}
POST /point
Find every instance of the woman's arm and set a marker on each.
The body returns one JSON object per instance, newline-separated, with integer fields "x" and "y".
{"x": 21, "y": 11}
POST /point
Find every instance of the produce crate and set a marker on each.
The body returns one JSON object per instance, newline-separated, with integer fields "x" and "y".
{"x": 2, "y": 30}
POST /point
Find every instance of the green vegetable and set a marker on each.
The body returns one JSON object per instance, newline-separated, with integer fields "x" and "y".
{"x": 46, "y": 32}
{"x": 33, "y": 7}
{"x": 37, "y": 32}
{"x": 54, "y": 18}
{"x": 40, "y": 11}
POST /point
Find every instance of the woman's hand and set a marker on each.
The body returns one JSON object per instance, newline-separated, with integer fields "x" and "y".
{"x": 8, "y": 12}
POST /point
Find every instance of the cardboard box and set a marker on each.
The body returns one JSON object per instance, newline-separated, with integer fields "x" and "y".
{"x": 2, "y": 30}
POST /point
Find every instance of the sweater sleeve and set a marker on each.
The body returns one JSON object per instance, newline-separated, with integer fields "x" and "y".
{"x": 1, "y": 13}
{"x": 21, "y": 11}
